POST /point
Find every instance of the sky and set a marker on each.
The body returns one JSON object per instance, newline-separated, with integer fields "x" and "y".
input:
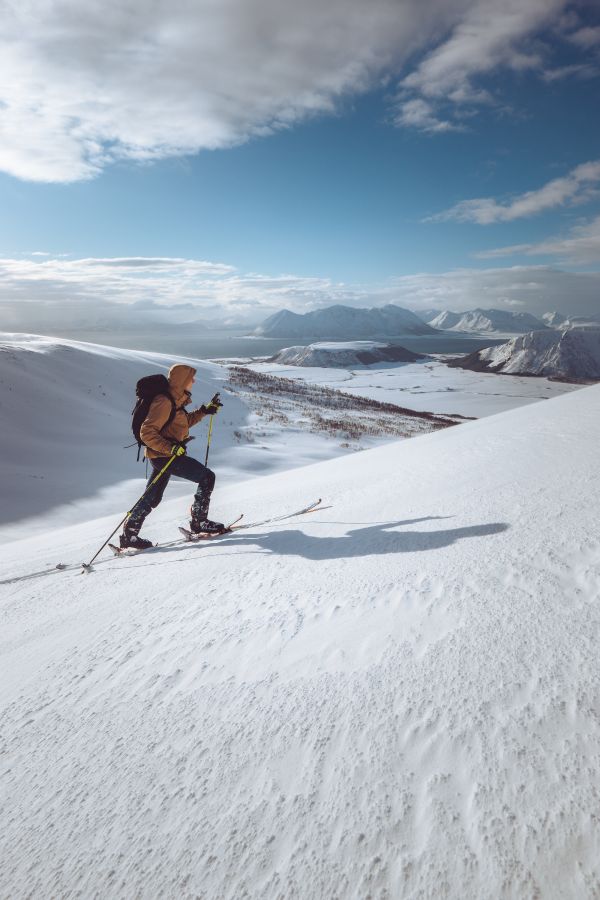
{"x": 214, "y": 161}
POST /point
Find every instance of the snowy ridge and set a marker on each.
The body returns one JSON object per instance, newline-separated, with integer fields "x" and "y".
{"x": 573, "y": 353}
{"x": 396, "y": 694}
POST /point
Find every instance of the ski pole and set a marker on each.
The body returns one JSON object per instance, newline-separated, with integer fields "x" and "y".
{"x": 87, "y": 566}
{"x": 208, "y": 441}
{"x": 214, "y": 400}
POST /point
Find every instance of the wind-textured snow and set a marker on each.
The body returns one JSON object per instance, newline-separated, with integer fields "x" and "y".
{"x": 573, "y": 353}
{"x": 397, "y": 696}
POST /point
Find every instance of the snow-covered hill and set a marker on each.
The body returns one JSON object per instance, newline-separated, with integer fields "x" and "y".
{"x": 486, "y": 320}
{"x": 570, "y": 354}
{"x": 341, "y": 322}
{"x": 344, "y": 355}
{"x": 396, "y": 696}
{"x": 65, "y": 410}
{"x": 66, "y": 407}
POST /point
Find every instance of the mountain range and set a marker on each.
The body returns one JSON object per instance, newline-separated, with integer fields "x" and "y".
{"x": 344, "y": 322}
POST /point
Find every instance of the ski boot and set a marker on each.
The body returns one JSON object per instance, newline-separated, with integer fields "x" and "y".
{"x": 131, "y": 539}
{"x": 206, "y": 526}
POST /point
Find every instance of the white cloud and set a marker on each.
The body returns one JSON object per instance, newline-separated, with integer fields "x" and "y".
{"x": 579, "y": 186}
{"x": 580, "y": 246}
{"x": 586, "y": 37}
{"x": 63, "y": 295}
{"x": 162, "y": 290}
{"x": 488, "y": 35}
{"x": 83, "y": 85}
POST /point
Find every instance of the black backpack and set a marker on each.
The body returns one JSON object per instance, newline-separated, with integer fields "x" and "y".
{"x": 146, "y": 390}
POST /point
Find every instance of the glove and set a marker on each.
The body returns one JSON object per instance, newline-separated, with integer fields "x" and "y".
{"x": 178, "y": 450}
{"x": 213, "y": 407}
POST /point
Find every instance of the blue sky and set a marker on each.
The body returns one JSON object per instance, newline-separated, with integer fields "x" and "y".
{"x": 433, "y": 154}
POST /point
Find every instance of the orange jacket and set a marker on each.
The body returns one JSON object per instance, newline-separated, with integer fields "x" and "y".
{"x": 160, "y": 442}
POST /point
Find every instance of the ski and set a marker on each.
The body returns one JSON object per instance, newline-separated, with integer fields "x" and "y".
{"x": 130, "y": 551}
{"x": 192, "y": 536}
{"x": 313, "y": 507}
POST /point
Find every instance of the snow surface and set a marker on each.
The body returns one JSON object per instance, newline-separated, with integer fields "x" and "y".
{"x": 397, "y": 696}
{"x": 573, "y": 353}
{"x": 428, "y": 385}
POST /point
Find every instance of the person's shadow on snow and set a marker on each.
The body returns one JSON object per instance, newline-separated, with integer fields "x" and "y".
{"x": 372, "y": 540}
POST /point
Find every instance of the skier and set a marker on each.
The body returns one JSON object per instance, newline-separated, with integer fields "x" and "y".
{"x": 164, "y": 440}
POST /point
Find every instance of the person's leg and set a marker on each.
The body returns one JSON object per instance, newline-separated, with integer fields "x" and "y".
{"x": 145, "y": 505}
{"x": 189, "y": 468}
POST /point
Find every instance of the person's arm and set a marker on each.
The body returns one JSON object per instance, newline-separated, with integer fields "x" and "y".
{"x": 157, "y": 418}
{"x": 196, "y": 415}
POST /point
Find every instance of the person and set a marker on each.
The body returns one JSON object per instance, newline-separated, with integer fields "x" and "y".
{"x": 164, "y": 442}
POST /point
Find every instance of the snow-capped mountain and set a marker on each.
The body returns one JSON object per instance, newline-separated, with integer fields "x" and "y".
{"x": 340, "y": 322}
{"x": 573, "y": 353}
{"x": 554, "y": 319}
{"x": 344, "y": 355}
{"x": 396, "y": 696}
{"x": 486, "y": 320}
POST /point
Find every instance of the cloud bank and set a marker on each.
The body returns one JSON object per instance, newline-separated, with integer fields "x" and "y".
{"x": 53, "y": 295}
{"x": 82, "y": 86}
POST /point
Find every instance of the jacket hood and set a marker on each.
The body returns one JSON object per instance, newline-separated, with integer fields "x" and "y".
{"x": 179, "y": 375}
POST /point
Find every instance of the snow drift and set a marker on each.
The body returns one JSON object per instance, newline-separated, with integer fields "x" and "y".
{"x": 570, "y": 354}
{"x": 397, "y": 696}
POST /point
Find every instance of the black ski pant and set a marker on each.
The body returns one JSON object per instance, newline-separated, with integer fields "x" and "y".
{"x": 183, "y": 467}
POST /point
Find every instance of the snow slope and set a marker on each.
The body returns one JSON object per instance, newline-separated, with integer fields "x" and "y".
{"x": 65, "y": 413}
{"x": 394, "y": 697}
{"x": 574, "y": 353}
{"x": 65, "y": 410}
{"x": 428, "y": 384}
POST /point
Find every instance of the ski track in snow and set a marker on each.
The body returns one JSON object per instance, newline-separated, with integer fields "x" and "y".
{"x": 396, "y": 696}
